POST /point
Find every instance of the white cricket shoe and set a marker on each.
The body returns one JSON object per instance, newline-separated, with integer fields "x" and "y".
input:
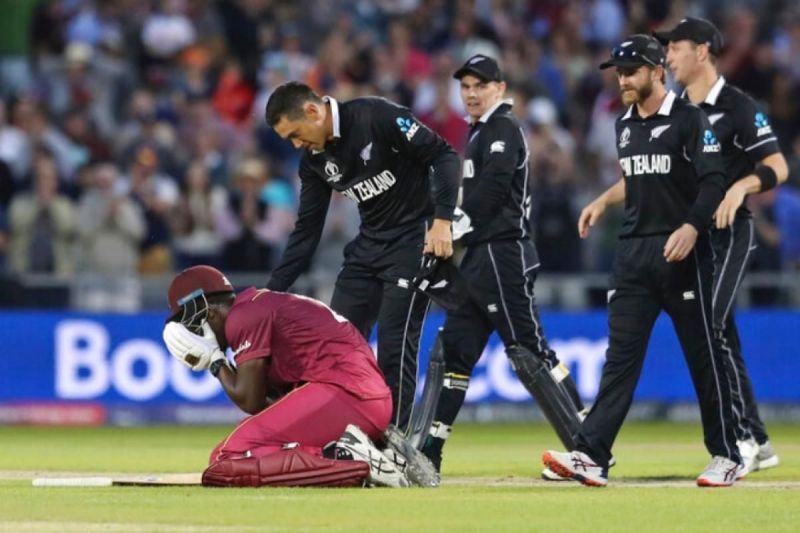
{"x": 417, "y": 467}
{"x": 576, "y": 465}
{"x": 720, "y": 472}
{"x": 383, "y": 472}
{"x": 766, "y": 458}
{"x": 748, "y": 450}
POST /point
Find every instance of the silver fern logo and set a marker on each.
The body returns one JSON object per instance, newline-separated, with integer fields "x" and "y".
{"x": 366, "y": 153}
{"x": 656, "y": 132}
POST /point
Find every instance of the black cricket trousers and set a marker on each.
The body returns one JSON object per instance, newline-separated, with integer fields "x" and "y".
{"x": 367, "y": 291}
{"x": 643, "y": 284}
{"x": 732, "y": 248}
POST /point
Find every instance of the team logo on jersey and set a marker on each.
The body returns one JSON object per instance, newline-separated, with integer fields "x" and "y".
{"x": 366, "y": 153}
{"x": 242, "y": 347}
{"x": 644, "y": 164}
{"x": 710, "y": 142}
{"x": 762, "y": 124}
{"x": 497, "y": 147}
{"x": 468, "y": 169}
{"x": 371, "y": 187}
{"x": 625, "y": 137}
{"x": 332, "y": 170}
{"x": 407, "y": 126}
{"x": 715, "y": 117}
{"x": 656, "y": 132}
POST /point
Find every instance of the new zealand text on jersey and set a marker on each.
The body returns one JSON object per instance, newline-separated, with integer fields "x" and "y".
{"x": 637, "y": 165}
{"x": 371, "y": 187}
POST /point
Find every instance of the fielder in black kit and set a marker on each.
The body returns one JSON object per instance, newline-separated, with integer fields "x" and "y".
{"x": 380, "y": 156}
{"x": 499, "y": 266}
{"x": 753, "y": 163}
{"x": 673, "y": 183}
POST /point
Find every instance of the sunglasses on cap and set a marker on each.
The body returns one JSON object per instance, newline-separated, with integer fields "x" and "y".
{"x": 629, "y": 53}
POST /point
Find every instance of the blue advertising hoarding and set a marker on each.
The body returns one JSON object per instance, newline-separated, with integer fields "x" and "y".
{"x": 120, "y": 361}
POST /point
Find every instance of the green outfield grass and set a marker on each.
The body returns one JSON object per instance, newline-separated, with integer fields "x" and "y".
{"x": 490, "y": 473}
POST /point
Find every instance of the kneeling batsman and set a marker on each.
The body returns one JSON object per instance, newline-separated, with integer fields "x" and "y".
{"x": 306, "y": 376}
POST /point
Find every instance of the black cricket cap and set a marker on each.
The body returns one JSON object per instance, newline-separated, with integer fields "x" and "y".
{"x": 693, "y": 29}
{"x": 635, "y": 51}
{"x": 481, "y": 66}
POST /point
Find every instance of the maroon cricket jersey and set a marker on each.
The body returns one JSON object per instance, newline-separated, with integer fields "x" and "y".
{"x": 305, "y": 341}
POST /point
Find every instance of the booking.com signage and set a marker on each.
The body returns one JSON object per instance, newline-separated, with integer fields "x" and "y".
{"x": 120, "y": 360}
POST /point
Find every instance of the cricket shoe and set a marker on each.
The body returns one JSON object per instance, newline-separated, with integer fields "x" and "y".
{"x": 576, "y": 465}
{"x": 766, "y": 457}
{"x": 354, "y": 444}
{"x": 720, "y": 472}
{"x": 419, "y": 470}
{"x": 549, "y": 475}
{"x": 748, "y": 450}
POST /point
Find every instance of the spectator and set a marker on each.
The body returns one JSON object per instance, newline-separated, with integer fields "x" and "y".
{"x": 552, "y": 151}
{"x": 156, "y": 194}
{"x": 14, "y": 144}
{"x": 197, "y": 219}
{"x": 168, "y": 30}
{"x": 257, "y": 220}
{"x": 110, "y": 226}
{"x": 234, "y": 96}
{"x": 42, "y": 226}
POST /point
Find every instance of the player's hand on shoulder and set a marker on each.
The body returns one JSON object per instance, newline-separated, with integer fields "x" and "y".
{"x": 195, "y": 351}
{"x": 680, "y": 243}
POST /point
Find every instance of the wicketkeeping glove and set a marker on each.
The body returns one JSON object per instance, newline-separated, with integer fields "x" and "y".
{"x": 192, "y": 350}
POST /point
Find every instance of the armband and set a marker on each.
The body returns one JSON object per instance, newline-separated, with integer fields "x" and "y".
{"x": 767, "y": 177}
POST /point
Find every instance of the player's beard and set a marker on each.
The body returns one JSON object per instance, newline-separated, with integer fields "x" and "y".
{"x": 634, "y": 96}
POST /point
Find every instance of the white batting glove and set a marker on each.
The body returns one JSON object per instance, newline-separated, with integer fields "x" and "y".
{"x": 192, "y": 350}
{"x": 461, "y": 224}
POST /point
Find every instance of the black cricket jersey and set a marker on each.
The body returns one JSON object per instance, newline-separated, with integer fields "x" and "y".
{"x": 496, "y": 193}
{"x": 672, "y": 165}
{"x": 742, "y": 128}
{"x": 397, "y": 170}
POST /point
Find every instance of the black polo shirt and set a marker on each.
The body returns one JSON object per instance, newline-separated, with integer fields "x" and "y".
{"x": 742, "y": 128}
{"x": 672, "y": 165}
{"x": 496, "y": 193}
{"x": 397, "y": 170}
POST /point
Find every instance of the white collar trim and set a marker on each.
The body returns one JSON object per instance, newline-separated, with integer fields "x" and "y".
{"x": 665, "y": 109}
{"x": 628, "y": 113}
{"x": 666, "y": 105}
{"x": 485, "y": 116}
{"x": 713, "y": 94}
{"x": 337, "y": 132}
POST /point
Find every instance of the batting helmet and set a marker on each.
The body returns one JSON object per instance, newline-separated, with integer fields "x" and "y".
{"x": 188, "y": 292}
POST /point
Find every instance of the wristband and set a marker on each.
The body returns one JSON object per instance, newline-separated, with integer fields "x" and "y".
{"x": 215, "y": 367}
{"x": 767, "y": 177}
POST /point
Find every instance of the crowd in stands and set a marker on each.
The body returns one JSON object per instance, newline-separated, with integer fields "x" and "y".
{"x": 133, "y": 142}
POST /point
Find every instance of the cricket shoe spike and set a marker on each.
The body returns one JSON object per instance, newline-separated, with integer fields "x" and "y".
{"x": 720, "y": 472}
{"x": 382, "y": 471}
{"x": 576, "y": 465}
{"x": 419, "y": 469}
